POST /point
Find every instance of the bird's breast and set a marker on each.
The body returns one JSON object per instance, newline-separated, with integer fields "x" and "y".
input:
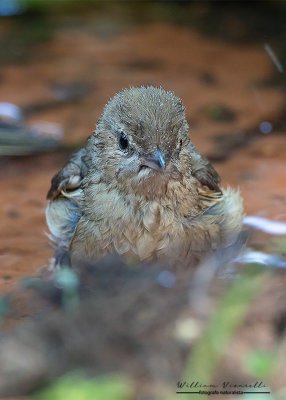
{"x": 126, "y": 223}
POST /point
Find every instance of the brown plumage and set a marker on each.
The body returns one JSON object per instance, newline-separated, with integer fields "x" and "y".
{"x": 140, "y": 188}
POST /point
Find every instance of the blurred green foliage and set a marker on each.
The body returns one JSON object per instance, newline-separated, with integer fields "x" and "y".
{"x": 279, "y": 244}
{"x": 69, "y": 282}
{"x": 227, "y": 318}
{"x": 4, "y": 306}
{"x": 78, "y": 387}
{"x": 260, "y": 363}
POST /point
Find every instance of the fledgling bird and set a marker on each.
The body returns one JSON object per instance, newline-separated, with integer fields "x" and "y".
{"x": 140, "y": 188}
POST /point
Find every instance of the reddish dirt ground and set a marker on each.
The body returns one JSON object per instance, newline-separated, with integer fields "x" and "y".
{"x": 176, "y": 58}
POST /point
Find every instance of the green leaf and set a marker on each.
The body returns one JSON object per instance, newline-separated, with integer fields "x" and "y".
{"x": 260, "y": 363}
{"x": 75, "y": 386}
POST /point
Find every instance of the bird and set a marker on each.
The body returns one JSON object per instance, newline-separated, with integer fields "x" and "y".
{"x": 140, "y": 189}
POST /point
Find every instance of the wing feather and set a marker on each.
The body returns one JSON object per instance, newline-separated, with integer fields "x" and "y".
{"x": 64, "y": 209}
{"x": 203, "y": 171}
{"x": 70, "y": 176}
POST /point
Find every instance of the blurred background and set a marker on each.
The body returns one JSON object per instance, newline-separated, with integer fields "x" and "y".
{"x": 61, "y": 61}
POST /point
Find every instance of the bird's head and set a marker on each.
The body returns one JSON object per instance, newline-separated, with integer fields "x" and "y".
{"x": 141, "y": 140}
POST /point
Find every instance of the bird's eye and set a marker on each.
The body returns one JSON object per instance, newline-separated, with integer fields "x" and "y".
{"x": 181, "y": 143}
{"x": 123, "y": 141}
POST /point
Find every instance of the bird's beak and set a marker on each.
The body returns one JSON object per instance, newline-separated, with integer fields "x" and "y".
{"x": 155, "y": 161}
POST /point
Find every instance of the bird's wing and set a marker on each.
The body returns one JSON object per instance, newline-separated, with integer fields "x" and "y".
{"x": 70, "y": 176}
{"x": 221, "y": 207}
{"x": 208, "y": 189}
{"x": 203, "y": 171}
{"x": 207, "y": 176}
{"x": 64, "y": 209}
